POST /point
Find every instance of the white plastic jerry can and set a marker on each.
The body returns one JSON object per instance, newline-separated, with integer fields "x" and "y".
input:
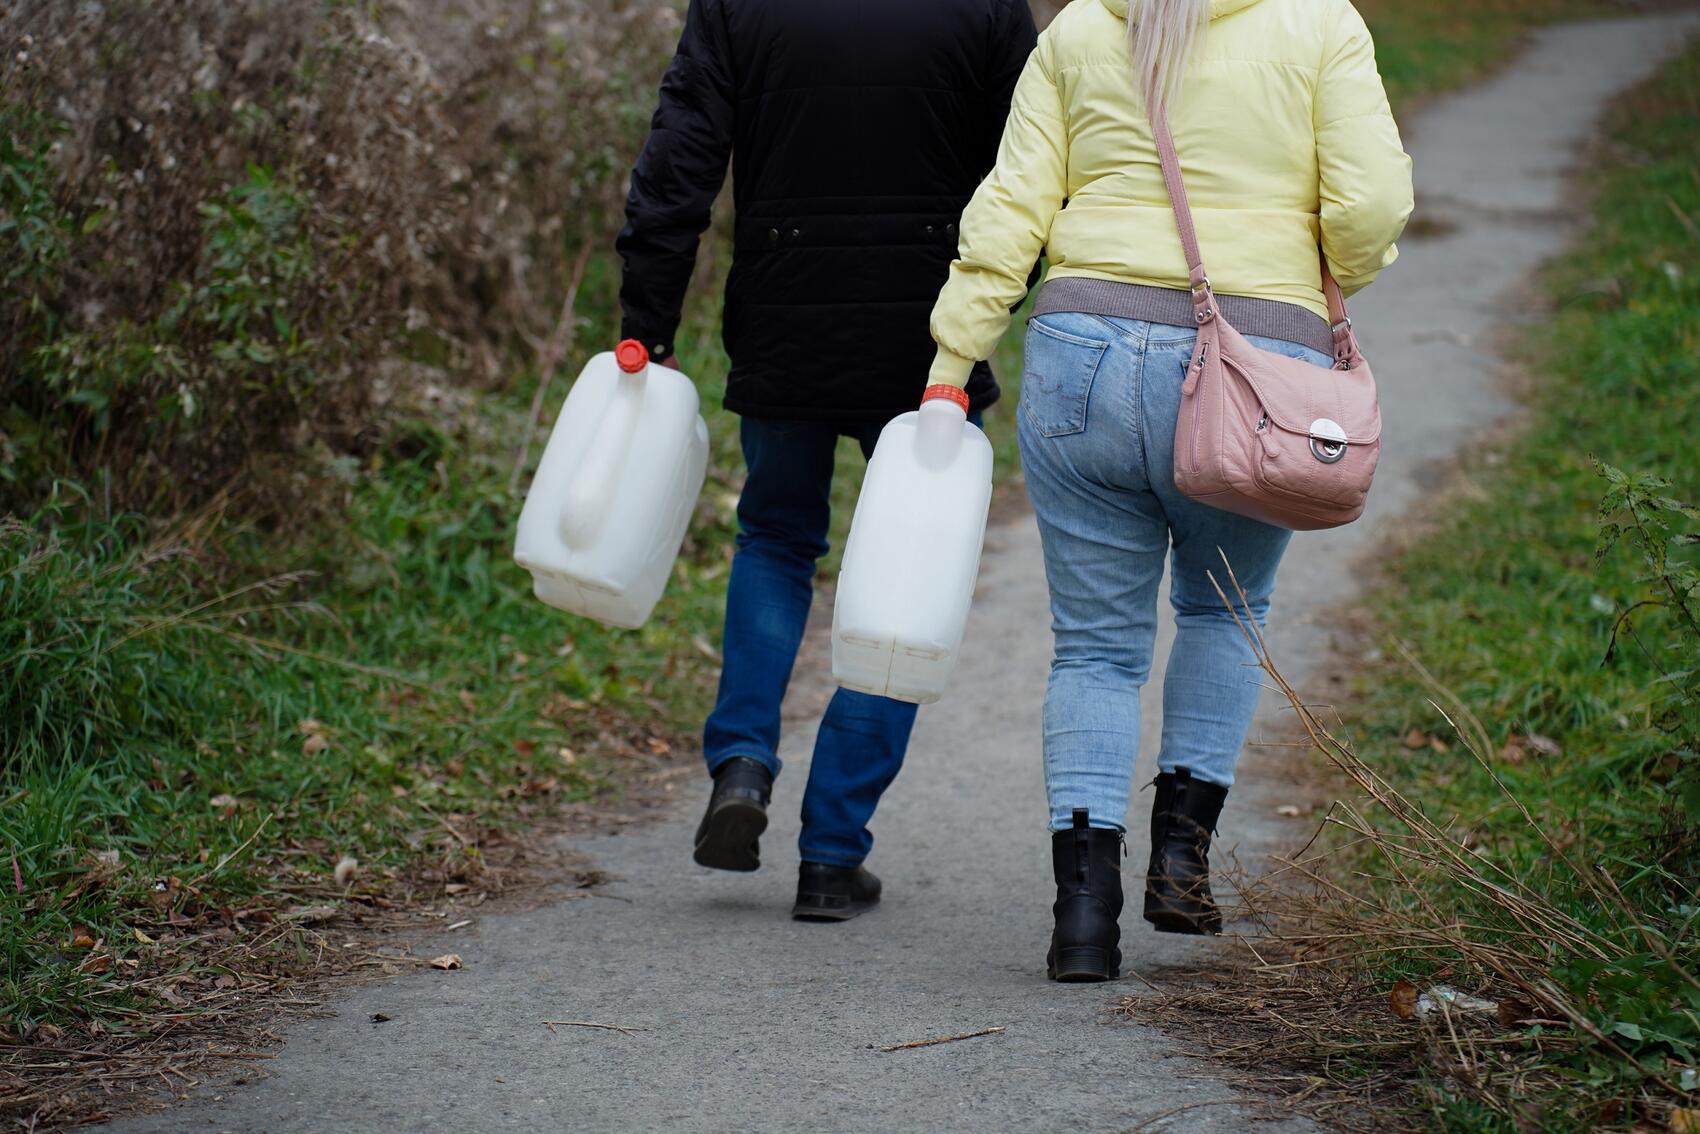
{"x": 615, "y": 490}
{"x": 914, "y": 553}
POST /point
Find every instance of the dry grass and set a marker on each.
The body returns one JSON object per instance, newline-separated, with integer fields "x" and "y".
{"x": 1309, "y": 1017}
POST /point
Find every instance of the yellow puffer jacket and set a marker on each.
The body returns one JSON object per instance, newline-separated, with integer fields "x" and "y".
{"x": 1285, "y": 139}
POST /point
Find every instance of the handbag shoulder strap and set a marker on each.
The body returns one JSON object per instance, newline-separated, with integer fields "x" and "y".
{"x": 1183, "y": 214}
{"x": 1203, "y": 299}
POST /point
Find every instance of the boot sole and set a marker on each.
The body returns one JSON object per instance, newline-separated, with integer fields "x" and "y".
{"x": 1082, "y": 964}
{"x": 1166, "y": 920}
{"x": 728, "y": 838}
{"x": 823, "y": 907}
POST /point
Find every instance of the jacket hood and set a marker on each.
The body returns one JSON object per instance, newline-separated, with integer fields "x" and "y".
{"x": 1218, "y": 8}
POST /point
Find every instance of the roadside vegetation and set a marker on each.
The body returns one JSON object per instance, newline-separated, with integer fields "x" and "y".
{"x": 1557, "y": 613}
{"x": 1501, "y": 932}
{"x": 276, "y": 294}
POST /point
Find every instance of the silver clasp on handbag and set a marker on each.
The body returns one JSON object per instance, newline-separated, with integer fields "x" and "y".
{"x": 1327, "y": 440}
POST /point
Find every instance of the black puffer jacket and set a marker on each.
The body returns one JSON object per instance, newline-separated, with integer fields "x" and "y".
{"x": 857, "y": 132}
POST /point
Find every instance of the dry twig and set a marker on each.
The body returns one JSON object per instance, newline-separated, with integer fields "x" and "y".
{"x": 942, "y": 1039}
{"x": 553, "y": 1024}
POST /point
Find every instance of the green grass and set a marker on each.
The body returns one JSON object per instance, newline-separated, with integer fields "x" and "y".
{"x": 1514, "y": 612}
{"x": 394, "y": 679}
{"x": 157, "y": 710}
{"x": 1424, "y": 47}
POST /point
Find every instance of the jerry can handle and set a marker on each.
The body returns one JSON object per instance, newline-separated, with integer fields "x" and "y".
{"x": 938, "y": 434}
{"x": 592, "y": 488}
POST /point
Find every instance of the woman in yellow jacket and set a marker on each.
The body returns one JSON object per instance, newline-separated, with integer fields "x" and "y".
{"x": 1286, "y": 143}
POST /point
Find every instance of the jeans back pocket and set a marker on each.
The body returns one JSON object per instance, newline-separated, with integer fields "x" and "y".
{"x": 1056, "y": 379}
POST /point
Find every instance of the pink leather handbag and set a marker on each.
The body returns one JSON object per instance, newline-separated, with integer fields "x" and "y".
{"x": 1275, "y": 438}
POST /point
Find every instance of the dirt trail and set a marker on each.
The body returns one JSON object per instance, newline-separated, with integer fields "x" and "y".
{"x": 740, "y": 1019}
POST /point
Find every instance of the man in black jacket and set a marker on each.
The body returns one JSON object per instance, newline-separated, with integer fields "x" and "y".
{"x": 859, "y": 130}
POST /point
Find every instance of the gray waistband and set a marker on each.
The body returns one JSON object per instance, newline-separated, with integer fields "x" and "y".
{"x": 1269, "y": 318}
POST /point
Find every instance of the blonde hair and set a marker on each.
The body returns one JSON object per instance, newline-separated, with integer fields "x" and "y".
{"x": 1163, "y": 35}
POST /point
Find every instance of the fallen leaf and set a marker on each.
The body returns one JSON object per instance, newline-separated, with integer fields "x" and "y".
{"x": 525, "y": 748}
{"x": 567, "y": 755}
{"x": 380, "y": 1018}
{"x": 225, "y": 980}
{"x": 456, "y": 888}
{"x": 309, "y": 727}
{"x": 142, "y": 937}
{"x": 96, "y": 964}
{"x": 1684, "y": 1120}
{"x": 162, "y": 893}
{"x": 81, "y": 938}
{"x": 1513, "y": 751}
{"x": 1290, "y": 810}
{"x": 1545, "y": 745}
{"x": 224, "y": 802}
{"x": 1512, "y": 1013}
{"x": 105, "y": 863}
{"x": 398, "y": 791}
{"x": 345, "y": 868}
{"x": 314, "y": 744}
{"x": 446, "y": 961}
{"x": 1416, "y": 739}
{"x": 1403, "y": 1000}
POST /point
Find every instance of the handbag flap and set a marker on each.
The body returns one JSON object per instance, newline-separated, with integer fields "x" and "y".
{"x": 1296, "y": 394}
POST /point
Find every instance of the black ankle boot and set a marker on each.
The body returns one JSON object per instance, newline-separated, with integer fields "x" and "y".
{"x": 1177, "y": 886}
{"x": 729, "y": 837}
{"x": 834, "y": 893}
{"x": 1087, "y": 863}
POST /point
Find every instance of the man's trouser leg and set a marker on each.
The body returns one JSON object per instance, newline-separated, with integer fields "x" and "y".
{"x": 858, "y": 752}
{"x": 782, "y": 527}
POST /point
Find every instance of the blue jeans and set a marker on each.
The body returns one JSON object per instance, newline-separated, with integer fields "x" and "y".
{"x": 783, "y": 516}
{"x": 1097, "y": 428}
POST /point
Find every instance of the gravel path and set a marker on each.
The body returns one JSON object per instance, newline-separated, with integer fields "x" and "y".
{"x": 742, "y": 1019}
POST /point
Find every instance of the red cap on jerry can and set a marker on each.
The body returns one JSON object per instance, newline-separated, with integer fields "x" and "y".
{"x": 948, "y": 392}
{"x": 631, "y": 356}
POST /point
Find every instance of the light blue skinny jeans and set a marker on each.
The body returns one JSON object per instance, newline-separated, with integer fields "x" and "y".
{"x": 1099, "y": 398}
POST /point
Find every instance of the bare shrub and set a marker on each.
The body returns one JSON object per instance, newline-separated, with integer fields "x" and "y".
{"x": 219, "y": 216}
